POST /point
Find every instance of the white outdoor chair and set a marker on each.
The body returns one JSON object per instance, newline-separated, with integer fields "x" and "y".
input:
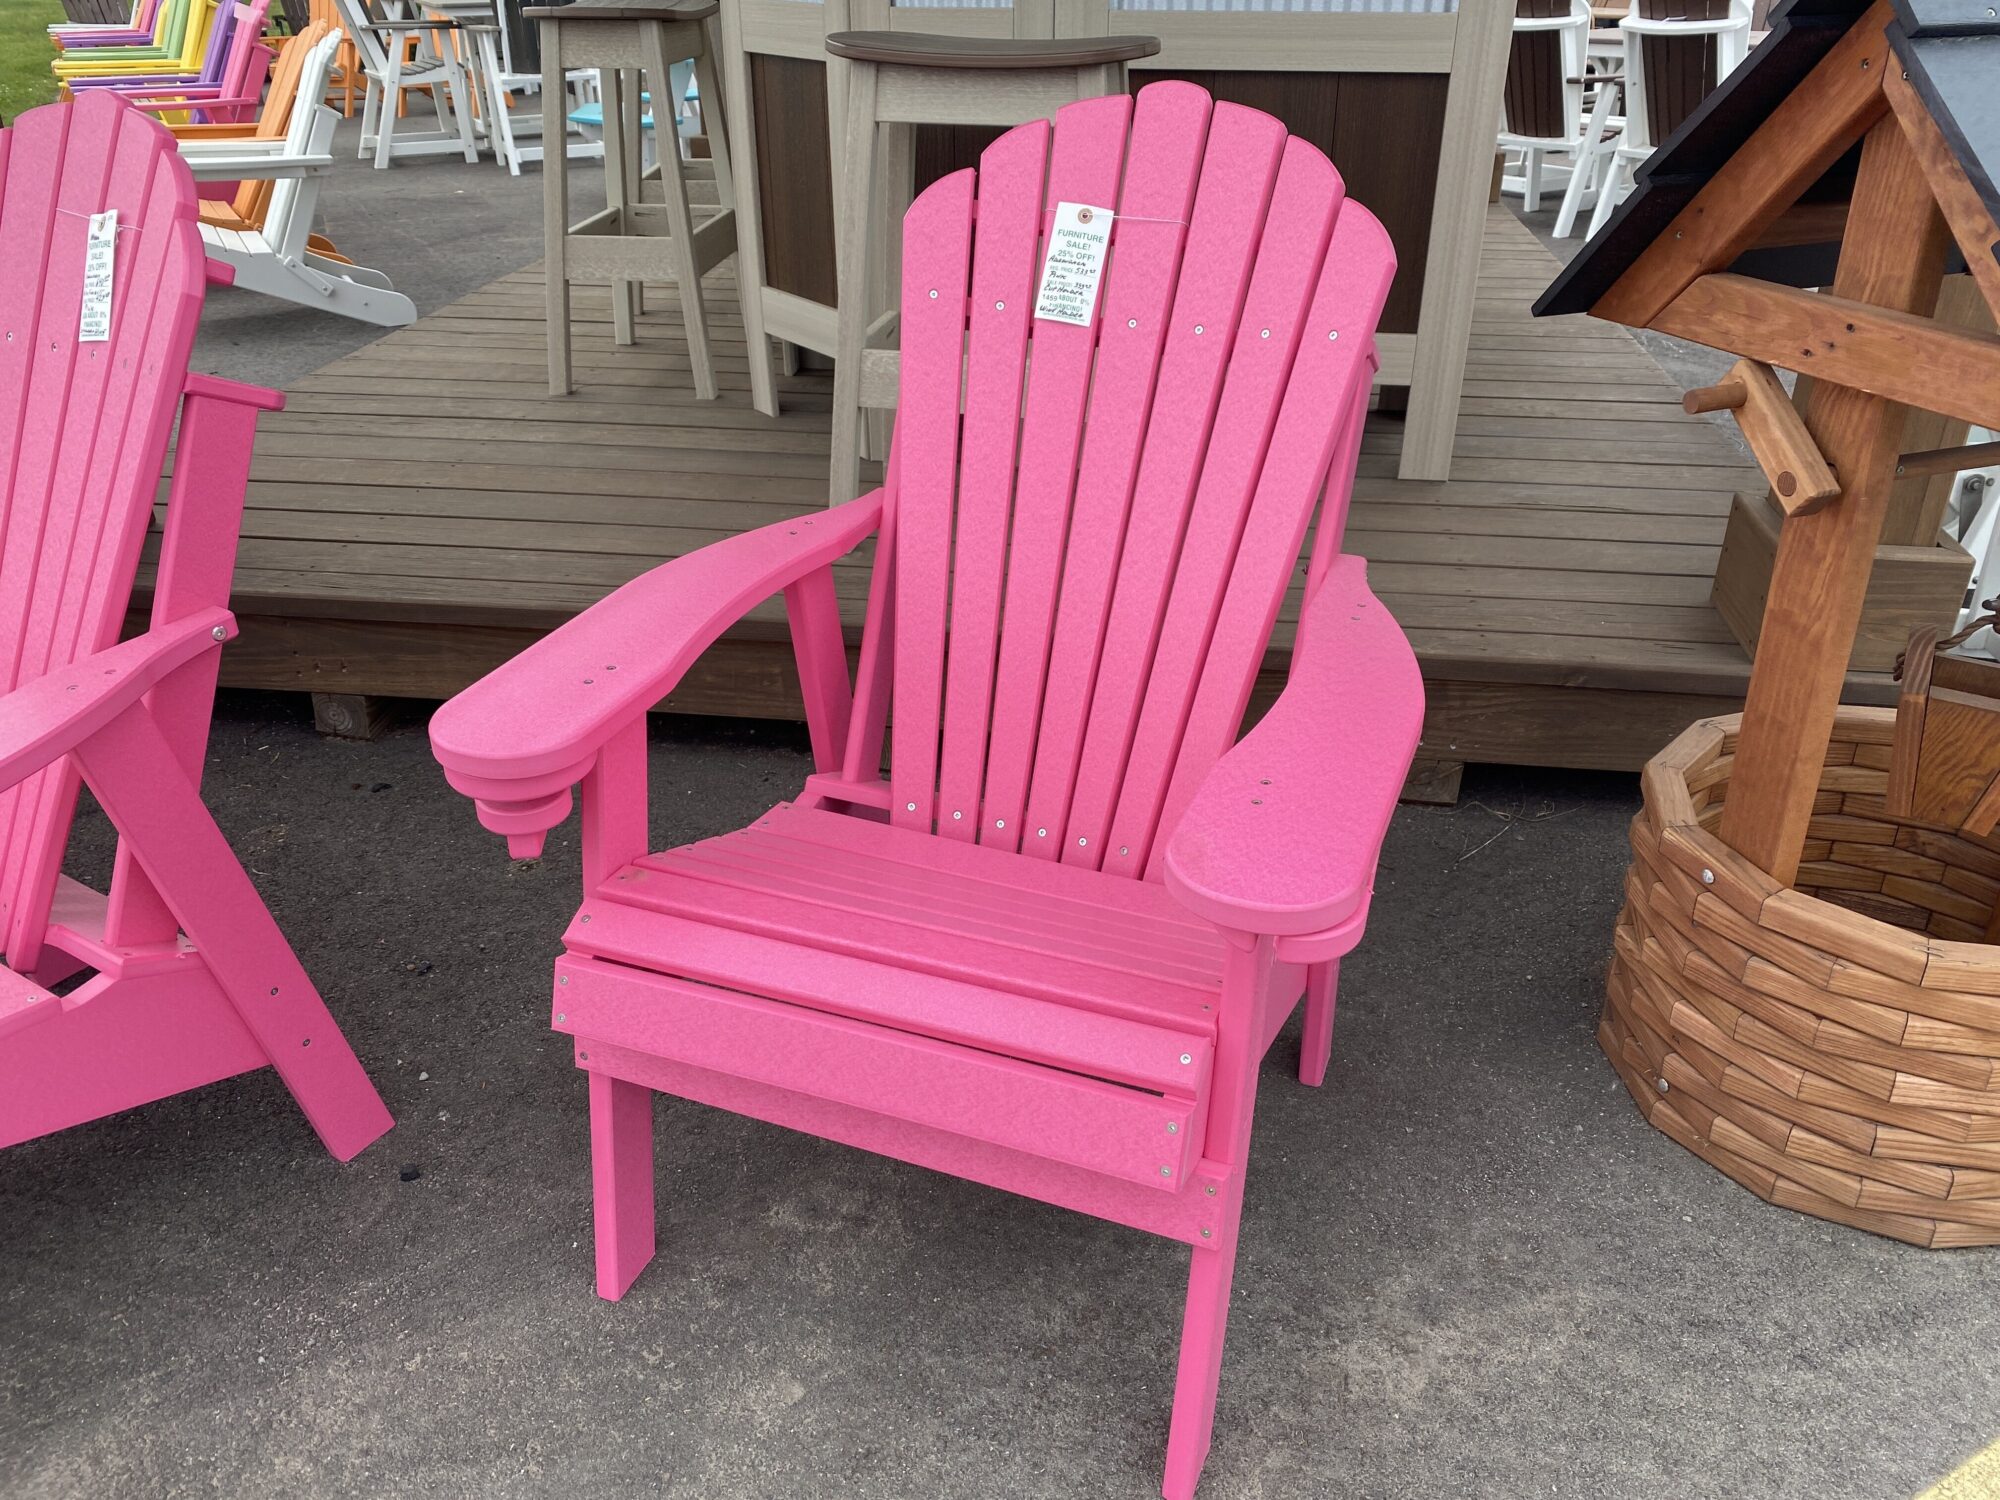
{"x": 278, "y": 259}
{"x": 384, "y": 48}
{"x": 506, "y": 59}
{"x": 1546, "y": 95}
{"x": 1676, "y": 52}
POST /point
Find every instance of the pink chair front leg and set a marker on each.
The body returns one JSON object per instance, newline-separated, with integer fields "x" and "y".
{"x": 1316, "y": 1047}
{"x": 621, "y": 1174}
{"x": 1246, "y": 991}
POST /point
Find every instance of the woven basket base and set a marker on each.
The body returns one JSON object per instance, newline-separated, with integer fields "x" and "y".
{"x": 1834, "y": 1047}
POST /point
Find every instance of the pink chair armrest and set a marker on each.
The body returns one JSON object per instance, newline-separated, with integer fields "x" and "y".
{"x": 1283, "y": 836}
{"x": 520, "y": 737}
{"x": 46, "y": 717}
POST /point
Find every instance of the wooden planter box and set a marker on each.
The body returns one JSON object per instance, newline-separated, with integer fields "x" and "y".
{"x": 1833, "y": 1047}
{"x": 1909, "y": 586}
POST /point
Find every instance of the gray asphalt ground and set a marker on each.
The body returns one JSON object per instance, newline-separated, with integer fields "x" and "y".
{"x": 1468, "y": 1268}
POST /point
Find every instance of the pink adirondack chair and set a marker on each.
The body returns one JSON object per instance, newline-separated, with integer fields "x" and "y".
{"x": 1049, "y": 951}
{"x": 178, "y": 977}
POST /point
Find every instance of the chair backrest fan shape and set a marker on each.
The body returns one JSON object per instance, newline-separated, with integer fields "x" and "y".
{"x": 1088, "y": 563}
{"x": 83, "y": 426}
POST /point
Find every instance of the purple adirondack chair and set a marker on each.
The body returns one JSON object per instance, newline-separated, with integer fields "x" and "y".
{"x": 1048, "y": 952}
{"x": 185, "y": 979}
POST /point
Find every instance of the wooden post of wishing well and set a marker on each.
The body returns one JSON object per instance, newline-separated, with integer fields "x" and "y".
{"x": 1892, "y": 257}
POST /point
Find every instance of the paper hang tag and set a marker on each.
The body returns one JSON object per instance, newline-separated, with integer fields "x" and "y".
{"x": 100, "y": 249}
{"x": 1078, "y": 242}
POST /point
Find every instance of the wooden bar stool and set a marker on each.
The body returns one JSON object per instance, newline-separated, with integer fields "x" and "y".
{"x": 632, "y": 238}
{"x": 897, "y": 80}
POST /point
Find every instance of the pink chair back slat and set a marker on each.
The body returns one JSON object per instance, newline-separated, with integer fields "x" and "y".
{"x": 1086, "y": 164}
{"x": 83, "y": 427}
{"x": 1169, "y": 126}
{"x": 1078, "y": 622}
{"x": 1239, "y": 169}
{"x": 937, "y": 256}
{"x": 1297, "y": 226}
{"x": 1317, "y": 438}
{"x": 1003, "y": 271}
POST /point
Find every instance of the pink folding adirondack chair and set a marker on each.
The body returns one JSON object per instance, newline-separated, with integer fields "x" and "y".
{"x": 178, "y": 977}
{"x": 1047, "y": 952}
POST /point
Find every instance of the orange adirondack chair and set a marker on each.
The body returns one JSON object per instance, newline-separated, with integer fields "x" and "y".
{"x": 1049, "y": 952}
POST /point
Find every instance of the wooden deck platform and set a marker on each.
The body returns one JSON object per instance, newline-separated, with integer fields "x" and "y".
{"x": 422, "y": 509}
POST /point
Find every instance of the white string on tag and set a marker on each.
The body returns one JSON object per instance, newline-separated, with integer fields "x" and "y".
{"x": 122, "y": 228}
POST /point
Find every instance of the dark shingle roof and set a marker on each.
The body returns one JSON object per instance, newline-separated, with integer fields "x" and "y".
{"x": 1951, "y": 50}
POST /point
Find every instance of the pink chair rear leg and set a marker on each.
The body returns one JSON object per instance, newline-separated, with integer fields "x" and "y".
{"x": 621, "y": 1173}
{"x": 1202, "y": 1329}
{"x": 1322, "y": 982}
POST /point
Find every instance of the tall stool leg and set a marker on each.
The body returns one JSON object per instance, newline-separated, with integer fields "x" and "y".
{"x": 895, "y": 188}
{"x": 620, "y": 140}
{"x": 555, "y": 211}
{"x": 851, "y": 257}
{"x": 680, "y": 226}
{"x": 763, "y": 388}
{"x": 749, "y": 209}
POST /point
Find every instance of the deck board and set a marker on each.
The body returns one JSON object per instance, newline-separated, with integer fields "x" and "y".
{"x": 422, "y": 509}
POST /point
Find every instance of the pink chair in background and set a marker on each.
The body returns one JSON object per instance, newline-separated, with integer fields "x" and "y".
{"x": 178, "y": 976}
{"x": 1050, "y": 949}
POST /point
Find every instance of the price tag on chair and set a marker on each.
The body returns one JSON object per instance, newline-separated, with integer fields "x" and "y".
{"x": 1078, "y": 241}
{"x": 94, "y": 320}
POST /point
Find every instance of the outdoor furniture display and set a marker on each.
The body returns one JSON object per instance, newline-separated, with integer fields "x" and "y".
{"x": 1404, "y": 95}
{"x": 1049, "y": 952}
{"x": 1806, "y": 985}
{"x": 895, "y": 82}
{"x": 226, "y": 87}
{"x": 385, "y": 48}
{"x": 633, "y": 238}
{"x": 1547, "y": 108}
{"x": 178, "y": 976}
{"x": 1676, "y": 51}
{"x": 266, "y": 234}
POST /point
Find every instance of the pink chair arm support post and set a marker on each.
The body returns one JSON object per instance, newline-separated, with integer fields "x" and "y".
{"x": 45, "y": 718}
{"x": 1283, "y": 836}
{"x": 517, "y": 740}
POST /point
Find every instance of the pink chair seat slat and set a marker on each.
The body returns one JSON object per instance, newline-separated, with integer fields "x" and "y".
{"x": 1004, "y": 258}
{"x": 1057, "y": 1112}
{"x": 1086, "y": 165}
{"x": 1169, "y": 126}
{"x": 977, "y": 907}
{"x": 1304, "y": 202}
{"x": 857, "y": 899}
{"x": 1120, "y": 1049}
{"x": 81, "y": 426}
{"x": 1239, "y": 168}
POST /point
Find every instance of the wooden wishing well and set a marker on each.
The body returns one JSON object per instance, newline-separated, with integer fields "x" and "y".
{"x": 1805, "y": 990}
